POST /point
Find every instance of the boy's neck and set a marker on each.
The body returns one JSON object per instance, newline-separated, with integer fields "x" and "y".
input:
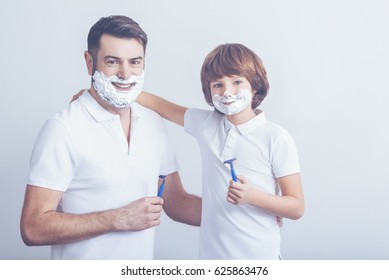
{"x": 242, "y": 117}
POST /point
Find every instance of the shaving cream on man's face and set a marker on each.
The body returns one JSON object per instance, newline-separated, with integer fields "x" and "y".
{"x": 118, "y": 98}
{"x": 229, "y": 104}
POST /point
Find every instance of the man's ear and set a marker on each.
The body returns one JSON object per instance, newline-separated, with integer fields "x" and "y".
{"x": 89, "y": 62}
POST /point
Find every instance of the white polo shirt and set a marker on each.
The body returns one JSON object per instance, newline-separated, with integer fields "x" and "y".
{"x": 263, "y": 152}
{"x": 83, "y": 152}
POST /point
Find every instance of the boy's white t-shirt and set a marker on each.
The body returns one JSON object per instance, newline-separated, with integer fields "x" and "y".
{"x": 83, "y": 152}
{"x": 263, "y": 151}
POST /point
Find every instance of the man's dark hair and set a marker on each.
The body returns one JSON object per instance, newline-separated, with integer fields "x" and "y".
{"x": 117, "y": 26}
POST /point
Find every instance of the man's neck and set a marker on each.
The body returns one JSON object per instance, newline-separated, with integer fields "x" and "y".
{"x": 122, "y": 112}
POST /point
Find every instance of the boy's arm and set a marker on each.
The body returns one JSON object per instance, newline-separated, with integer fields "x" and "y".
{"x": 289, "y": 205}
{"x": 168, "y": 110}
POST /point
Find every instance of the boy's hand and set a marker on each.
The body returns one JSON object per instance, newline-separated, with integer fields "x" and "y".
{"x": 280, "y": 221}
{"x": 244, "y": 193}
{"x": 240, "y": 193}
{"x": 76, "y": 96}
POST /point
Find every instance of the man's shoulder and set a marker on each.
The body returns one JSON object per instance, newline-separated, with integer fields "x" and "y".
{"x": 145, "y": 113}
{"x": 71, "y": 111}
{"x": 72, "y": 117}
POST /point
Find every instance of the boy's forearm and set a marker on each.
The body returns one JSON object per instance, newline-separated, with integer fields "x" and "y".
{"x": 168, "y": 110}
{"x": 284, "y": 206}
{"x": 148, "y": 100}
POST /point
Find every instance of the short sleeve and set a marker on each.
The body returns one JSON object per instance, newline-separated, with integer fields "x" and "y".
{"x": 169, "y": 161}
{"x": 194, "y": 119}
{"x": 53, "y": 161}
{"x": 284, "y": 155}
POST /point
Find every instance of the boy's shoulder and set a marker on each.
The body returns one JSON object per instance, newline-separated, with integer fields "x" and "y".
{"x": 197, "y": 112}
{"x": 276, "y": 132}
{"x": 201, "y": 120}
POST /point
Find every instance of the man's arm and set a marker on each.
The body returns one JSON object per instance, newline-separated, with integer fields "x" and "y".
{"x": 42, "y": 224}
{"x": 168, "y": 110}
{"x": 178, "y": 204}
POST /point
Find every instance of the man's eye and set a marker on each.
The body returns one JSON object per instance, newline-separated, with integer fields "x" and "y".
{"x": 135, "y": 62}
{"x": 112, "y": 61}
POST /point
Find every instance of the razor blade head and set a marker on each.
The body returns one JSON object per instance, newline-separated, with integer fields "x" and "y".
{"x": 229, "y": 161}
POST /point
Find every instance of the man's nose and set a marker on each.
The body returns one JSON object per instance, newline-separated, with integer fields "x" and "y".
{"x": 125, "y": 72}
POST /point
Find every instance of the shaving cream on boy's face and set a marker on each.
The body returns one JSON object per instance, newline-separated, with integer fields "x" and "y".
{"x": 232, "y": 104}
{"x": 118, "y": 98}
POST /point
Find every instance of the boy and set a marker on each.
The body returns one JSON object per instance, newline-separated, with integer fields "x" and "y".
{"x": 243, "y": 226}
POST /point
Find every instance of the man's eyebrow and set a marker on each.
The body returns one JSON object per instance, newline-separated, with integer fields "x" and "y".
{"x": 118, "y": 58}
{"x": 136, "y": 58}
{"x": 111, "y": 57}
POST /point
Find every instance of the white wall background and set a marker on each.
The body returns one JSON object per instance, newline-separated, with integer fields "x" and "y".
{"x": 328, "y": 65}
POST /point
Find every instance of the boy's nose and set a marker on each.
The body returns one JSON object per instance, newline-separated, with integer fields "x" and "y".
{"x": 227, "y": 93}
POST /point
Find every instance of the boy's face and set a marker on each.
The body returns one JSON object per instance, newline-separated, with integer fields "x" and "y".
{"x": 229, "y": 85}
{"x": 231, "y": 94}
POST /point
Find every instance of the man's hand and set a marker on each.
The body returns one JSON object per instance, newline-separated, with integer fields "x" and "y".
{"x": 138, "y": 215}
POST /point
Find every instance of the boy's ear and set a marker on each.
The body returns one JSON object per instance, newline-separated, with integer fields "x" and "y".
{"x": 89, "y": 62}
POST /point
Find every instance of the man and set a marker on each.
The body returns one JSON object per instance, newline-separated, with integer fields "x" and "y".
{"x": 92, "y": 186}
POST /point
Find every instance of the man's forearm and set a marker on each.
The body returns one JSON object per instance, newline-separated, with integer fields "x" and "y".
{"x": 186, "y": 209}
{"x": 60, "y": 228}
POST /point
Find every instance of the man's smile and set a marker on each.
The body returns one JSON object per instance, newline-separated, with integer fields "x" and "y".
{"x": 123, "y": 87}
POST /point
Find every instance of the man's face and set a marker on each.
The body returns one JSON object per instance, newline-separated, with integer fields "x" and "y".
{"x": 118, "y": 57}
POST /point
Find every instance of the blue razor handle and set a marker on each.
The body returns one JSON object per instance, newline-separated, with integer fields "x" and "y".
{"x": 230, "y": 162}
{"x": 162, "y": 186}
{"x": 233, "y": 173}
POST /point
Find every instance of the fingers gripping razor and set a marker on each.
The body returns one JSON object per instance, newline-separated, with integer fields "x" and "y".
{"x": 230, "y": 162}
{"x": 162, "y": 186}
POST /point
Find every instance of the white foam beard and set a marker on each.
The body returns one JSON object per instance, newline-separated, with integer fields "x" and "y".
{"x": 239, "y": 102}
{"x": 117, "y": 98}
